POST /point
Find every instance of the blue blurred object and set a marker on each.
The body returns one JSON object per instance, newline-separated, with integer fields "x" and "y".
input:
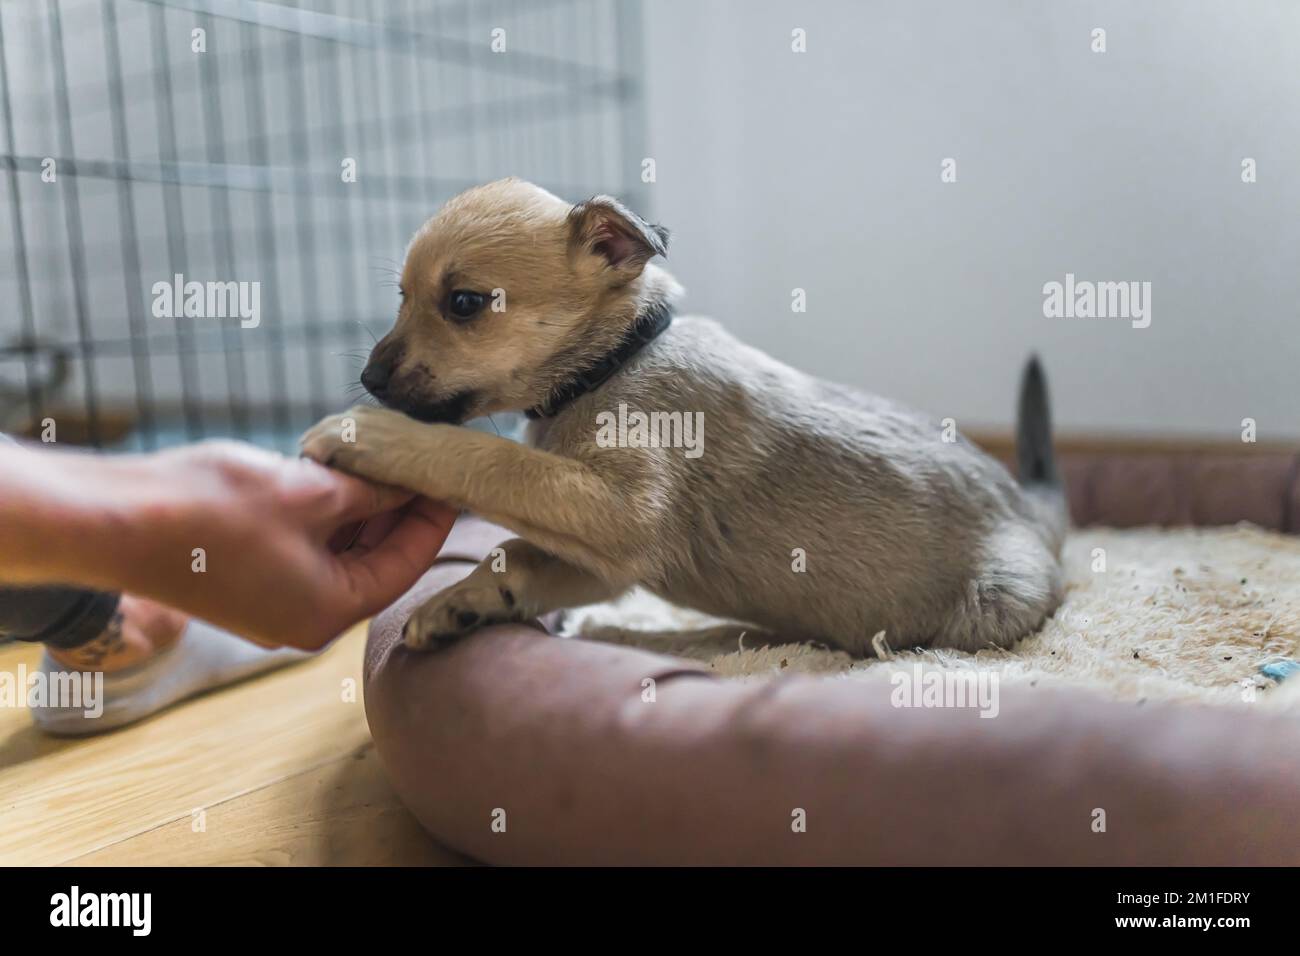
{"x": 1280, "y": 670}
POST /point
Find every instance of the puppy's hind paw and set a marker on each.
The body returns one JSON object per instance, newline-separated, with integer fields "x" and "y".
{"x": 456, "y": 612}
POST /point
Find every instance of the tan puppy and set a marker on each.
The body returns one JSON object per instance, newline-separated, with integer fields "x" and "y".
{"x": 813, "y": 511}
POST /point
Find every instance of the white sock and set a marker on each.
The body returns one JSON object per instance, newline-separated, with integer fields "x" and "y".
{"x": 204, "y": 658}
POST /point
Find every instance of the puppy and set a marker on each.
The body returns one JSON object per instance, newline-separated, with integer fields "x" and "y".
{"x": 813, "y": 511}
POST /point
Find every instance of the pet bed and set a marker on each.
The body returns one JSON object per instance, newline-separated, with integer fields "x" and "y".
{"x": 538, "y": 749}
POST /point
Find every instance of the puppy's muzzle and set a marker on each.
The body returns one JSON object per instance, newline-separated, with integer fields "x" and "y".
{"x": 376, "y": 376}
{"x": 405, "y": 396}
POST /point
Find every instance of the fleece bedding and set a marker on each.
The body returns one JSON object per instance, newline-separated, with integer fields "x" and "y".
{"x": 1204, "y": 614}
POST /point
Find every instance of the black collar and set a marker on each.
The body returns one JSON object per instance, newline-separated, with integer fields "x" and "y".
{"x": 648, "y": 326}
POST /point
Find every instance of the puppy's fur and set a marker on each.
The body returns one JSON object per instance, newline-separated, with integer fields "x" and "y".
{"x": 928, "y": 540}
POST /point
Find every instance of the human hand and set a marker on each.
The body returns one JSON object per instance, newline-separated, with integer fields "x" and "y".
{"x": 268, "y": 547}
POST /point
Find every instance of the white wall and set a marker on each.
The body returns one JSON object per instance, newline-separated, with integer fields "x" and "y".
{"x": 820, "y": 170}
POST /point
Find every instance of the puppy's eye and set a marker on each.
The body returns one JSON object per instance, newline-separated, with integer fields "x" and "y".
{"x": 464, "y": 304}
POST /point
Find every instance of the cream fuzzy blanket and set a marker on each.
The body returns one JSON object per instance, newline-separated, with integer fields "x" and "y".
{"x": 1186, "y": 614}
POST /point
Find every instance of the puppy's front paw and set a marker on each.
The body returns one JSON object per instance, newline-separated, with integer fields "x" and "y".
{"x": 357, "y": 440}
{"x": 457, "y": 611}
{"x": 323, "y": 441}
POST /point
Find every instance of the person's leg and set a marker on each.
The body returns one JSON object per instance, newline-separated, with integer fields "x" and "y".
{"x": 151, "y": 656}
{"x": 59, "y": 617}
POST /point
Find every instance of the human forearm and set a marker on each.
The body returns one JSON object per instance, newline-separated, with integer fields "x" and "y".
{"x": 63, "y": 616}
{"x": 53, "y": 525}
{"x": 139, "y": 523}
{"x": 241, "y": 537}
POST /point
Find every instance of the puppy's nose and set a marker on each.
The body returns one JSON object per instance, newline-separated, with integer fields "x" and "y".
{"x": 375, "y": 377}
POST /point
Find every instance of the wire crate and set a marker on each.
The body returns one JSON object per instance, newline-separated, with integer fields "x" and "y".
{"x": 282, "y": 155}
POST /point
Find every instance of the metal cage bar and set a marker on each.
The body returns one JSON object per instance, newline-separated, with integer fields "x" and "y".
{"x": 133, "y": 154}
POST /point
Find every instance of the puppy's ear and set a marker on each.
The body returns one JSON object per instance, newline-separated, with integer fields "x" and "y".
{"x": 604, "y": 227}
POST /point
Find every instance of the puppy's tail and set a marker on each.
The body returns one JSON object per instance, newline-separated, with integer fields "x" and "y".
{"x": 1035, "y": 455}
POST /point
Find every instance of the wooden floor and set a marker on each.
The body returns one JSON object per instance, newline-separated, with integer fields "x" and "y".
{"x": 281, "y": 767}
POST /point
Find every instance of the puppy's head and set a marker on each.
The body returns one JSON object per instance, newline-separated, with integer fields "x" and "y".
{"x": 508, "y": 291}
